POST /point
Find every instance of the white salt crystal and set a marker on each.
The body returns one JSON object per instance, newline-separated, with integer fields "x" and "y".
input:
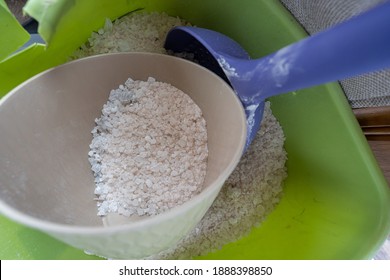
{"x": 149, "y": 183}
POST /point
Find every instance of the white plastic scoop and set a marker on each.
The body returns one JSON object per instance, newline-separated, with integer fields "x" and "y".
{"x": 46, "y": 180}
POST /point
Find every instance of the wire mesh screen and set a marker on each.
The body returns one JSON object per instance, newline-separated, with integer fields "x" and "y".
{"x": 369, "y": 90}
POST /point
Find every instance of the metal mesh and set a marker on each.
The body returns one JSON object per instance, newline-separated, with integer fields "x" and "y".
{"x": 369, "y": 90}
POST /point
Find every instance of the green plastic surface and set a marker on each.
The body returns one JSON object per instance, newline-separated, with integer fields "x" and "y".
{"x": 336, "y": 203}
{"x": 12, "y": 35}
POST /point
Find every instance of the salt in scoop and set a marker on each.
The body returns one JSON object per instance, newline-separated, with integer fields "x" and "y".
{"x": 357, "y": 46}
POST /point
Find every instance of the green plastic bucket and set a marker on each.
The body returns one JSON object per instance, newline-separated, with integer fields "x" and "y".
{"x": 336, "y": 202}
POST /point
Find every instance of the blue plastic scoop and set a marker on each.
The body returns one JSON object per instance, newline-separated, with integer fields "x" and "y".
{"x": 357, "y": 46}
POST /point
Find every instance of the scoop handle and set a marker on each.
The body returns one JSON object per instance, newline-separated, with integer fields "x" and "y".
{"x": 357, "y": 46}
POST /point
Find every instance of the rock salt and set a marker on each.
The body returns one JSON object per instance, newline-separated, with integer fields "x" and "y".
{"x": 145, "y": 159}
{"x": 138, "y": 31}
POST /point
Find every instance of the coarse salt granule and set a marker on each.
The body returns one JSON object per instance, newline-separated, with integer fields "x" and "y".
{"x": 149, "y": 149}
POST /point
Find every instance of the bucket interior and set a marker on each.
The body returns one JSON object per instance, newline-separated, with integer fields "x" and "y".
{"x": 336, "y": 202}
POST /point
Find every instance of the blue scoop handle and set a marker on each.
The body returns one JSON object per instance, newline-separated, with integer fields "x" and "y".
{"x": 357, "y": 46}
